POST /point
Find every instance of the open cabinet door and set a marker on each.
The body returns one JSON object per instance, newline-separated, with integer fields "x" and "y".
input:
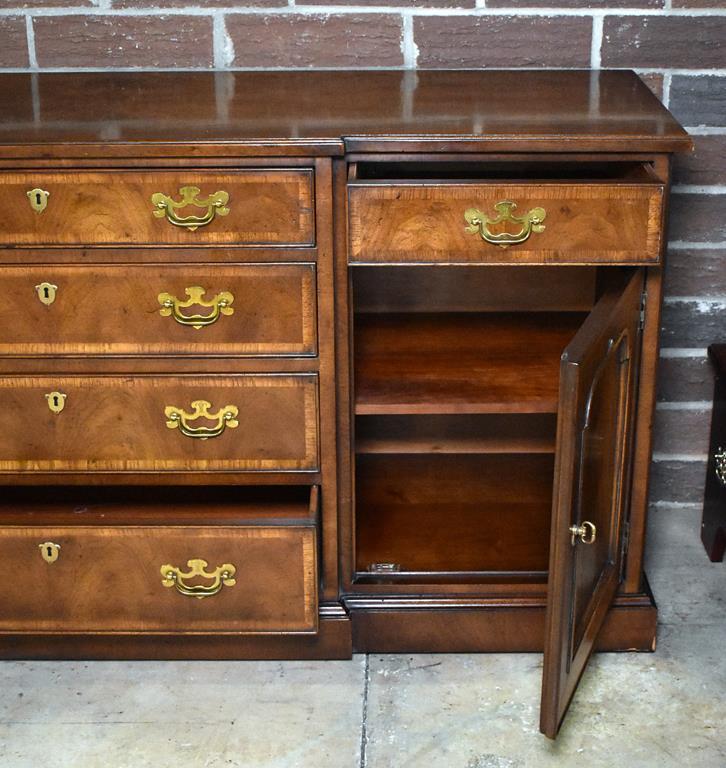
{"x": 594, "y": 437}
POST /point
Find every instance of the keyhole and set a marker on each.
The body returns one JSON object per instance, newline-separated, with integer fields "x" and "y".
{"x": 55, "y": 400}
{"x": 49, "y": 551}
{"x": 46, "y": 293}
{"x": 37, "y": 198}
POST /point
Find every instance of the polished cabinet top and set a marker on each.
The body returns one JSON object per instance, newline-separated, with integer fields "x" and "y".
{"x": 331, "y": 112}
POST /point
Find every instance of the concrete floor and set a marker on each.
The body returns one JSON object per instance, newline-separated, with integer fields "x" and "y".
{"x": 459, "y": 711}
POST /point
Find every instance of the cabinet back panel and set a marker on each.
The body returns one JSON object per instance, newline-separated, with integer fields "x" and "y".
{"x": 447, "y": 434}
{"x": 460, "y": 362}
{"x": 430, "y": 513}
{"x": 434, "y": 288}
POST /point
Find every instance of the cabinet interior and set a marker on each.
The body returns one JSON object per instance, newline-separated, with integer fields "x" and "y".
{"x": 456, "y": 390}
{"x": 110, "y": 505}
{"x": 509, "y": 170}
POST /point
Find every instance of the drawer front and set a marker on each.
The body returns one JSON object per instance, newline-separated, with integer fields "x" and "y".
{"x": 575, "y": 223}
{"x": 68, "y": 579}
{"x": 243, "y": 310}
{"x": 159, "y": 423}
{"x": 246, "y": 207}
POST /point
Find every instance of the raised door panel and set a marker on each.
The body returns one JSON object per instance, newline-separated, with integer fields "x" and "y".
{"x": 159, "y": 423}
{"x": 594, "y": 434}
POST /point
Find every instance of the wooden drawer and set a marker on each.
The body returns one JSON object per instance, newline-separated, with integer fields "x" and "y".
{"x": 258, "y": 575}
{"x": 159, "y": 423}
{"x": 241, "y": 310}
{"x": 577, "y": 222}
{"x": 263, "y": 207}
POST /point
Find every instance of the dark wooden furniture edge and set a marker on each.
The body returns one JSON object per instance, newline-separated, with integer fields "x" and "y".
{"x": 630, "y": 626}
{"x": 332, "y": 641}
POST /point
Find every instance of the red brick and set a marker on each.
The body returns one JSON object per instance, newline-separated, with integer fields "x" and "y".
{"x": 397, "y": 3}
{"x": 692, "y": 324}
{"x": 587, "y": 4}
{"x": 503, "y": 41}
{"x": 684, "y": 378}
{"x": 677, "y": 481}
{"x": 699, "y": 272}
{"x": 706, "y": 165}
{"x": 123, "y": 41}
{"x": 193, "y": 3}
{"x": 681, "y": 432}
{"x": 53, "y": 3}
{"x": 699, "y": 100}
{"x": 294, "y": 40}
{"x": 13, "y": 42}
{"x": 654, "y": 81}
{"x": 664, "y": 41}
{"x": 697, "y": 218}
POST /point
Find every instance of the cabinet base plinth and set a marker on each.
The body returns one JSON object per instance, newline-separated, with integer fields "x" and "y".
{"x": 477, "y": 628}
{"x": 332, "y": 641}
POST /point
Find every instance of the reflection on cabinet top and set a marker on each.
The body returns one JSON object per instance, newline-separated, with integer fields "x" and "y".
{"x": 328, "y": 113}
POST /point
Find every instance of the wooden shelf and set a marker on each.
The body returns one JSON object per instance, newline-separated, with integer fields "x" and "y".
{"x": 470, "y": 434}
{"x": 447, "y": 514}
{"x": 460, "y": 363}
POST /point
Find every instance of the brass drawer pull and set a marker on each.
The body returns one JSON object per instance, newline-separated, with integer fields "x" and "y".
{"x": 586, "y": 532}
{"x": 720, "y": 460}
{"x": 224, "y": 417}
{"x": 223, "y": 576}
{"x": 166, "y": 207}
{"x": 479, "y": 223}
{"x": 220, "y": 305}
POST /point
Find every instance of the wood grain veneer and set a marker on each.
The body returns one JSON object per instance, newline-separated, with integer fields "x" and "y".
{"x": 108, "y": 579}
{"x": 460, "y": 362}
{"x": 118, "y": 424}
{"x": 114, "y": 310}
{"x": 267, "y": 206}
{"x": 454, "y": 512}
{"x": 422, "y": 222}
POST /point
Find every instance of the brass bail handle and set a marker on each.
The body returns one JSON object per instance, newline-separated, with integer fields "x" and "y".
{"x": 586, "y": 532}
{"x": 479, "y": 223}
{"x": 201, "y": 409}
{"x": 166, "y": 207}
{"x": 222, "y": 576}
{"x": 219, "y": 305}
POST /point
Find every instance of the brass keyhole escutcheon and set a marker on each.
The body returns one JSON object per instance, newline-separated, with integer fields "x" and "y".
{"x": 49, "y": 551}
{"x": 38, "y": 199}
{"x": 586, "y": 532}
{"x": 46, "y": 293}
{"x": 56, "y": 401}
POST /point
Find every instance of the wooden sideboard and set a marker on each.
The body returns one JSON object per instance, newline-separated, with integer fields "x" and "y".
{"x": 300, "y": 364}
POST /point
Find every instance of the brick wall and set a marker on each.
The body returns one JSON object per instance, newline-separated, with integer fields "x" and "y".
{"x": 678, "y": 46}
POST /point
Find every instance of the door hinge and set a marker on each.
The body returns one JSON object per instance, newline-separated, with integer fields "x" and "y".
{"x": 641, "y": 316}
{"x": 624, "y": 548}
{"x": 384, "y": 568}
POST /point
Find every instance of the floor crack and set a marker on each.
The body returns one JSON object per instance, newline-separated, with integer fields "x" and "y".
{"x": 364, "y": 716}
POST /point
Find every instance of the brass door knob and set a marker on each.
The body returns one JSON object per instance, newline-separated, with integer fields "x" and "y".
{"x": 586, "y": 532}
